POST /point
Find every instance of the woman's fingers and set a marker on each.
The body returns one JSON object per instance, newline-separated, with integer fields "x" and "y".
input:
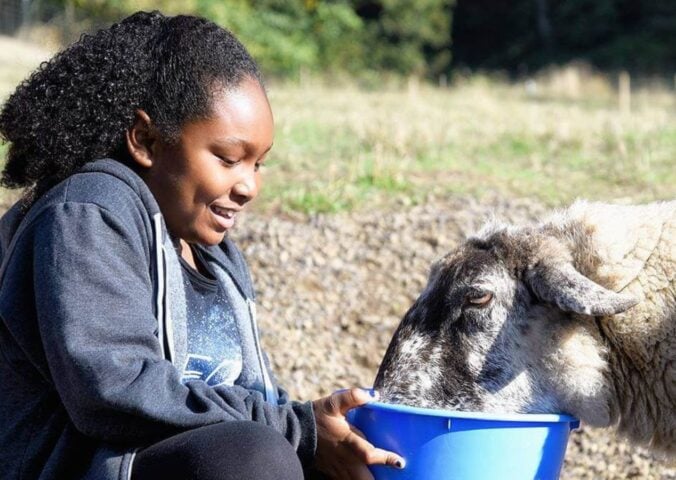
{"x": 370, "y": 455}
{"x": 343, "y": 449}
{"x": 341, "y": 402}
{"x": 384, "y": 457}
{"x": 358, "y": 432}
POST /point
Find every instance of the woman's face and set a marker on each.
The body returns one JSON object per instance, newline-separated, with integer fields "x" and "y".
{"x": 205, "y": 178}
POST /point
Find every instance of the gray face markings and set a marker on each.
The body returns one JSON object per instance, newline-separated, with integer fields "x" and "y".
{"x": 450, "y": 352}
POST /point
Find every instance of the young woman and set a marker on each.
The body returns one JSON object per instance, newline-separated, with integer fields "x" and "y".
{"x": 128, "y": 339}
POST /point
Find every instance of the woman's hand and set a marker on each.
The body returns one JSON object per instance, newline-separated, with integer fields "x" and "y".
{"x": 342, "y": 451}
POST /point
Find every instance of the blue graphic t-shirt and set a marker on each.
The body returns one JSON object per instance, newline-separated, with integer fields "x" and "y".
{"x": 214, "y": 352}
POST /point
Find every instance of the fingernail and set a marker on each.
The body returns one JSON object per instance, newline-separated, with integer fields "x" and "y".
{"x": 400, "y": 464}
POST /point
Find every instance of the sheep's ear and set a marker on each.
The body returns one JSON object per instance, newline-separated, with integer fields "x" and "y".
{"x": 571, "y": 291}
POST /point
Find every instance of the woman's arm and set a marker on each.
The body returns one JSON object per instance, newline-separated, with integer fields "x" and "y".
{"x": 94, "y": 305}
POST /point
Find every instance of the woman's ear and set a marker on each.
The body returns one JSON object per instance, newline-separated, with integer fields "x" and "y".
{"x": 142, "y": 139}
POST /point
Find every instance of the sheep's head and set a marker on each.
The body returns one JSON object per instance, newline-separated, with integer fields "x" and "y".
{"x": 505, "y": 324}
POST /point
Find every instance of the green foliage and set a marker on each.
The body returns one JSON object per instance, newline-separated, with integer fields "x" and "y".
{"x": 291, "y": 37}
{"x": 368, "y": 37}
{"x": 340, "y": 35}
{"x": 287, "y": 37}
{"x": 407, "y": 37}
{"x": 111, "y": 10}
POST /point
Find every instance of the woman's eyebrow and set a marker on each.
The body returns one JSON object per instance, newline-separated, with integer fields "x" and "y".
{"x": 231, "y": 141}
{"x": 238, "y": 142}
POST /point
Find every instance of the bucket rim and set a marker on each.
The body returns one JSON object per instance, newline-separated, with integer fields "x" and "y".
{"x": 502, "y": 417}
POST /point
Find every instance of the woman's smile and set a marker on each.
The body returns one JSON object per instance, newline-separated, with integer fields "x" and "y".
{"x": 225, "y": 217}
{"x": 204, "y": 178}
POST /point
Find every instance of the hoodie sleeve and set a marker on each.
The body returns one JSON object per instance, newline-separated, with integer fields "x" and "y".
{"x": 94, "y": 302}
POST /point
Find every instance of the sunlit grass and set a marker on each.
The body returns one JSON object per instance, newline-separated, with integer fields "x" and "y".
{"x": 341, "y": 148}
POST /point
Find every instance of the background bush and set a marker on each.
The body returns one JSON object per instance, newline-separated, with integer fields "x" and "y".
{"x": 426, "y": 38}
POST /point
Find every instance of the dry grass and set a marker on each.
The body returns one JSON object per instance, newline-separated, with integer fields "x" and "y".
{"x": 556, "y": 138}
{"x": 344, "y": 147}
{"x": 17, "y": 60}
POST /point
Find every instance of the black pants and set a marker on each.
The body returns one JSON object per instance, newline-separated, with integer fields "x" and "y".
{"x": 224, "y": 451}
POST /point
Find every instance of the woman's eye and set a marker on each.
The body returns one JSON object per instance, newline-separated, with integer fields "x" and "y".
{"x": 481, "y": 300}
{"x": 228, "y": 162}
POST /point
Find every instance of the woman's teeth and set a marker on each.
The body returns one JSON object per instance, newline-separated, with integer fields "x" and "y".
{"x": 223, "y": 212}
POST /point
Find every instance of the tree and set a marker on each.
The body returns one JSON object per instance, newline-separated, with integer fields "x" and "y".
{"x": 524, "y": 35}
{"x": 407, "y": 37}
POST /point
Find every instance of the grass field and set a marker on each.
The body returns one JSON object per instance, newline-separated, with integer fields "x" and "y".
{"x": 344, "y": 148}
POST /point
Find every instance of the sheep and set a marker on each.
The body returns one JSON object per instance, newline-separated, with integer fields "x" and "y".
{"x": 574, "y": 314}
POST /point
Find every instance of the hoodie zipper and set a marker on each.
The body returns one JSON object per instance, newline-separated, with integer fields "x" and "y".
{"x": 270, "y": 394}
{"x": 164, "y": 331}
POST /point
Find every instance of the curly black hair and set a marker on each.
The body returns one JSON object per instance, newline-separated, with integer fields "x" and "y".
{"x": 76, "y": 107}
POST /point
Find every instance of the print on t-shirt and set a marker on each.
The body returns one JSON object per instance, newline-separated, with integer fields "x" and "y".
{"x": 214, "y": 351}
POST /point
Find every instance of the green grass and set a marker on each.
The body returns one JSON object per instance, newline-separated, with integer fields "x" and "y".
{"x": 368, "y": 148}
{"x": 343, "y": 148}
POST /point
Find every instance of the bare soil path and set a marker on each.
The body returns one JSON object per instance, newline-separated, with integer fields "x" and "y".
{"x": 331, "y": 290}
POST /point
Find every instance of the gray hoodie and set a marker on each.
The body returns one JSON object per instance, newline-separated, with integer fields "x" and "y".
{"x": 93, "y": 335}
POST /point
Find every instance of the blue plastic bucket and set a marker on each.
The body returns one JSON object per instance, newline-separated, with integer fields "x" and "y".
{"x": 445, "y": 445}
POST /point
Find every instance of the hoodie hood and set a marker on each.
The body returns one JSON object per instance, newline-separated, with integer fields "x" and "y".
{"x": 11, "y": 221}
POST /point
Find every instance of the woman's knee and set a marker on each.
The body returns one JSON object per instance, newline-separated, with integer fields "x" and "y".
{"x": 229, "y": 450}
{"x": 272, "y": 456}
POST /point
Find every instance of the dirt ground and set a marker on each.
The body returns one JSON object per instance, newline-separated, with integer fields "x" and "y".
{"x": 331, "y": 290}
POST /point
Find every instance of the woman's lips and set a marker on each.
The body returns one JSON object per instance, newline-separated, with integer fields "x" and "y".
{"x": 223, "y": 216}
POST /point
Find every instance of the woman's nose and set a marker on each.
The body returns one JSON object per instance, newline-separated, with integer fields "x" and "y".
{"x": 246, "y": 188}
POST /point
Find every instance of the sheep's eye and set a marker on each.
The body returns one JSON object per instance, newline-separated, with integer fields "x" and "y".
{"x": 480, "y": 301}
